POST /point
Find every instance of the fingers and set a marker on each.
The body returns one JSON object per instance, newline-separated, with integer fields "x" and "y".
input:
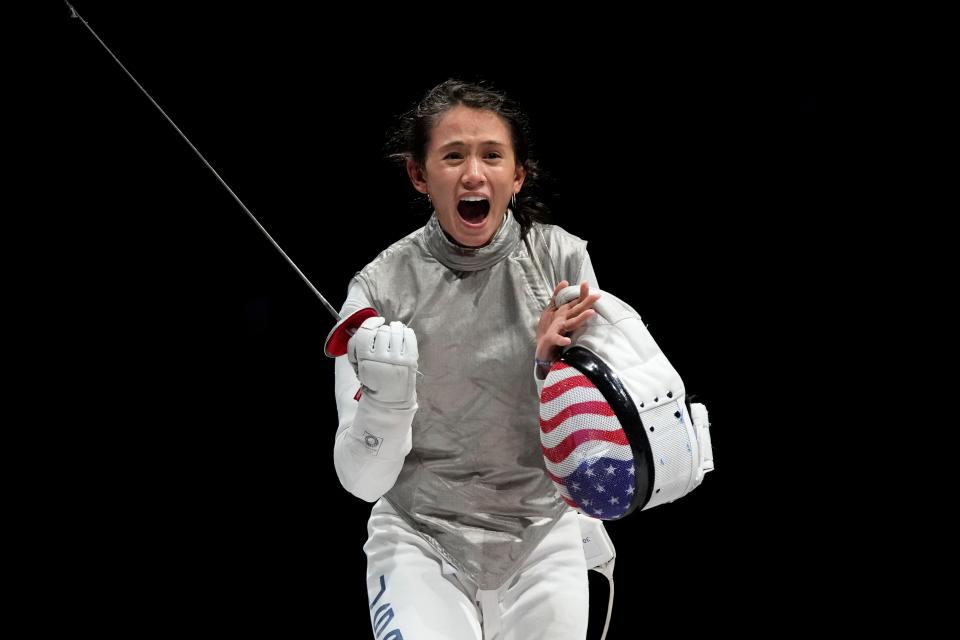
{"x": 372, "y": 323}
{"x": 381, "y": 345}
{"x": 365, "y": 337}
{"x": 384, "y": 357}
{"x": 584, "y": 304}
{"x": 565, "y": 324}
{"x": 390, "y": 340}
{"x": 571, "y": 315}
{"x": 410, "y": 344}
{"x": 572, "y": 324}
{"x": 586, "y": 301}
{"x": 379, "y": 340}
{"x": 558, "y": 323}
{"x": 584, "y": 295}
{"x": 576, "y": 312}
{"x": 396, "y": 337}
{"x": 586, "y": 298}
{"x": 563, "y": 284}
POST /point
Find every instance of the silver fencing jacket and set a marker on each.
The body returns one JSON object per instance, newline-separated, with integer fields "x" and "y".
{"x": 474, "y": 483}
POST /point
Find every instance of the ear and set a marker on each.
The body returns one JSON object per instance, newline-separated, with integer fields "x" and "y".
{"x": 518, "y": 178}
{"x": 415, "y": 172}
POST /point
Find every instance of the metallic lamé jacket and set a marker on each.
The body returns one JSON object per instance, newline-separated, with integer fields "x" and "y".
{"x": 474, "y": 483}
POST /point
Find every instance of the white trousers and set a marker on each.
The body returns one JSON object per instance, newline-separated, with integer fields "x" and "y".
{"x": 415, "y": 595}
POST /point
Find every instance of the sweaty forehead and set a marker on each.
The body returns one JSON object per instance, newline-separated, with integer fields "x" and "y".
{"x": 469, "y": 126}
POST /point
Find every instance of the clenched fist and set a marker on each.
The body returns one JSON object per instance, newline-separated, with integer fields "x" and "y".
{"x": 385, "y": 359}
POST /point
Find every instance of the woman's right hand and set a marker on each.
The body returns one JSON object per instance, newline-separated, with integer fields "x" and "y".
{"x": 385, "y": 359}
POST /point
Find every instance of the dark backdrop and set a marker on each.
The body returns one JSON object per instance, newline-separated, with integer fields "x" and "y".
{"x": 699, "y": 170}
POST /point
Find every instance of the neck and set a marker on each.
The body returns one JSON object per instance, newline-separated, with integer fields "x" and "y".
{"x": 476, "y": 246}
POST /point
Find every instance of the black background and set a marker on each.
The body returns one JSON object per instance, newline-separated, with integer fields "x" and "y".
{"x": 700, "y": 169}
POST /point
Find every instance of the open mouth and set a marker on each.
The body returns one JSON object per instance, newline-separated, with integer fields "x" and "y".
{"x": 473, "y": 210}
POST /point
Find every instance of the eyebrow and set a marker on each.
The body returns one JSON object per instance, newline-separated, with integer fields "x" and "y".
{"x": 458, "y": 143}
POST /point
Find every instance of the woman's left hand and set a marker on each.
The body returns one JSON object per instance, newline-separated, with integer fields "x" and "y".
{"x": 556, "y": 323}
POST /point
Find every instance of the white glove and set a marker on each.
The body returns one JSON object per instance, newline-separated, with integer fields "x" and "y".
{"x": 385, "y": 360}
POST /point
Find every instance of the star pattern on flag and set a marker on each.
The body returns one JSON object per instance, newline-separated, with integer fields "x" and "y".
{"x": 603, "y": 488}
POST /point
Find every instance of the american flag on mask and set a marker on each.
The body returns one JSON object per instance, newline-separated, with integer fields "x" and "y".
{"x": 585, "y": 449}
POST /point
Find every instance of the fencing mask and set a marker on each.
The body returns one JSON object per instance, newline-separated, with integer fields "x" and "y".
{"x": 616, "y": 431}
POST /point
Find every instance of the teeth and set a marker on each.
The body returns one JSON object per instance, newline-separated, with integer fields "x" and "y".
{"x": 473, "y": 199}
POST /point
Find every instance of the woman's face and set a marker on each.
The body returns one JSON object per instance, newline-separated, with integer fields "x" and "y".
{"x": 470, "y": 173}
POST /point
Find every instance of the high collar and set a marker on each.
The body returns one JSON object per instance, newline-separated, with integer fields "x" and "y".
{"x": 460, "y": 258}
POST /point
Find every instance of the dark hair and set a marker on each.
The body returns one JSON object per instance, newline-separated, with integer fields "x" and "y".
{"x": 410, "y": 139}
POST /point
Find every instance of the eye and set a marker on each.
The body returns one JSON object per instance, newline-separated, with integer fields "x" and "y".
{"x": 494, "y": 155}
{"x": 453, "y": 155}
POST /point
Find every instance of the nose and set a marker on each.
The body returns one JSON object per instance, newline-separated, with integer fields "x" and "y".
{"x": 472, "y": 176}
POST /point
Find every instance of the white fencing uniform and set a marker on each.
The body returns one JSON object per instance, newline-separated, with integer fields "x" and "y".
{"x": 415, "y": 594}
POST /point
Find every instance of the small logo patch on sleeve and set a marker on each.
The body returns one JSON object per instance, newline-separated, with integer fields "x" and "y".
{"x": 372, "y": 442}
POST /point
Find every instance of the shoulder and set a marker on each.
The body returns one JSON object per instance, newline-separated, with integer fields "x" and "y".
{"x": 399, "y": 250}
{"x": 389, "y": 260}
{"x": 556, "y": 240}
{"x": 562, "y": 250}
